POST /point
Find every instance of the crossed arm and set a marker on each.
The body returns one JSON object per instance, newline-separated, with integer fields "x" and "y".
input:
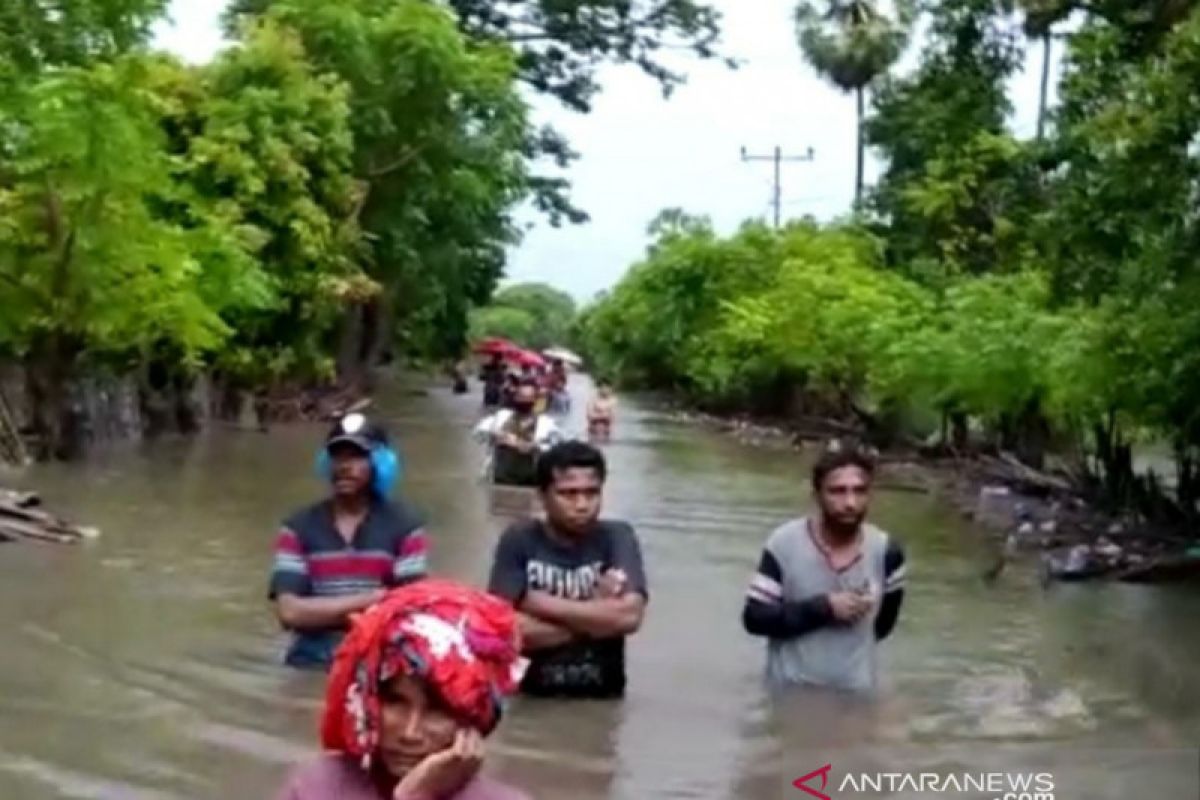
{"x": 548, "y": 621}
{"x": 299, "y": 613}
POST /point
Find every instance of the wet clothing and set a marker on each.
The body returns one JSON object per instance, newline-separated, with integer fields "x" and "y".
{"x": 527, "y": 558}
{"x": 337, "y": 777}
{"x": 787, "y": 603}
{"x": 312, "y": 559}
{"x": 494, "y": 377}
{"x": 511, "y": 467}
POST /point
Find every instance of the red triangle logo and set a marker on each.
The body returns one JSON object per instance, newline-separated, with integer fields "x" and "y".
{"x": 800, "y": 782}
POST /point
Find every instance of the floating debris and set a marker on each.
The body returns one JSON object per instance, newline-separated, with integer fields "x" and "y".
{"x": 21, "y": 517}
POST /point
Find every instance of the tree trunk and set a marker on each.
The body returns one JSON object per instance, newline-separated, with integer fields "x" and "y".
{"x": 1027, "y": 435}
{"x": 1116, "y": 465}
{"x": 960, "y": 431}
{"x": 351, "y": 346}
{"x": 859, "y": 150}
{"x": 382, "y": 331}
{"x": 1187, "y": 481}
{"x": 48, "y": 371}
{"x": 1035, "y": 440}
{"x": 1047, "y": 46}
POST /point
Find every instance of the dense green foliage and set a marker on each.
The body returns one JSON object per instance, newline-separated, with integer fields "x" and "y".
{"x": 1033, "y": 295}
{"x": 260, "y": 215}
{"x": 336, "y": 189}
{"x": 533, "y": 315}
{"x": 561, "y": 43}
{"x": 559, "y": 46}
{"x": 35, "y": 34}
{"x": 438, "y": 133}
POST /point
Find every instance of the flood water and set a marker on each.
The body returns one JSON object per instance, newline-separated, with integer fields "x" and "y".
{"x": 146, "y": 664}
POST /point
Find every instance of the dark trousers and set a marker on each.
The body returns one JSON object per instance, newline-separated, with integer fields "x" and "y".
{"x": 513, "y": 468}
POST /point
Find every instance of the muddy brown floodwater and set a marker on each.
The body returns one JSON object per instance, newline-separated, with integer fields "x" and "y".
{"x": 145, "y": 664}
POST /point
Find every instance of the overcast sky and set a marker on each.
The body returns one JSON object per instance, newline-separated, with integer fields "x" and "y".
{"x": 642, "y": 153}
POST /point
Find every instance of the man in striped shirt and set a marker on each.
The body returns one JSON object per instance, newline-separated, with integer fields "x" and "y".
{"x": 338, "y": 557}
{"x": 828, "y": 586}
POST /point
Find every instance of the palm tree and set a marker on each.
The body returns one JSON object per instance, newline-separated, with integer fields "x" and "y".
{"x": 1040, "y": 18}
{"x": 851, "y": 43}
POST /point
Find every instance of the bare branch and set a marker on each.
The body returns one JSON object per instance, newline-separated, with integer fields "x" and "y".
{"x": 409, "y": 155}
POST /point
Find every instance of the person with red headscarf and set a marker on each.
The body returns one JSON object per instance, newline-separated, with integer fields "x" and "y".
{"x": 415, "y": 687}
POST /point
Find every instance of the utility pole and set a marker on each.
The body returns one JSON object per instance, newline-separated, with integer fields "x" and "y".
{"x": 777, "y": 158}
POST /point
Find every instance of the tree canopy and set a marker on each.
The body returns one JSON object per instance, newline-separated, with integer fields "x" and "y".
{"x": 531, "y": 314}
{"x": 1037, "y": 290}
{"x": 335, "y": 189}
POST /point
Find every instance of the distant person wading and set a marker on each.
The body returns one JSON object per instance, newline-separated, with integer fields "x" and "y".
{"x": 602, "y": 411}
{"x": 516, "y": 436}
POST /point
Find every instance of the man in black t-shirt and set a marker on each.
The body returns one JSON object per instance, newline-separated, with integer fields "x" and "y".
{"x": 576, "y": 580}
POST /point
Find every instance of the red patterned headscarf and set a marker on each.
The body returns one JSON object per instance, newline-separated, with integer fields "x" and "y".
{"x": 463, "y": 643}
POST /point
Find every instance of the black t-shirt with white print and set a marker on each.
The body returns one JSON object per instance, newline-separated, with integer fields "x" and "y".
{"x": 529, "y": 559}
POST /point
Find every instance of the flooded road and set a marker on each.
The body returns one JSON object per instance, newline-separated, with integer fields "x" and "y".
{"x": 145, "y": 665}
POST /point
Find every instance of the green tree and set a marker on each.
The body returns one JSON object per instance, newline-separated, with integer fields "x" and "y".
{"x": 823, "y": 317}
{"x": 92, "y": 273}
{"x": 559, "y": 47}
{"x": 561, "y": 44}
{"x": 515, "y": 324}
{"x": 951, "y": 166}
{"x": 37, "y": 34}
{"x": 1040, "y": 18}
{"x": 440, "y": 153}
{"x": 267, "y": 144}
{"x": 651, "y": 328}
{"x": 1120, "y": 236}
{"x": 551, "y": 310}
{"x": 852, "y": 43}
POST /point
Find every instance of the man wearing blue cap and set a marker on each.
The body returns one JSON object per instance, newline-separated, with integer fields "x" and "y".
{"x": 341, "y": 555}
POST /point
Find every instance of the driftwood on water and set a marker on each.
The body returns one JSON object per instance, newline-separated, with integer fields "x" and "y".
{"x": 1008, "y": 470}
{"x": 22, "y": 518}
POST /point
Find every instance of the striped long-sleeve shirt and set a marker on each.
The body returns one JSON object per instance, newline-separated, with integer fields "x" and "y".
{"x": 787, "y": 602}
{"x": 312, "y": 559}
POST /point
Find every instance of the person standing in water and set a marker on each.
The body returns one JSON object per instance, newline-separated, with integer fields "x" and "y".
{"x": 414, "y": 690}
{"x": 576, "y": 579}
{"x": 602, "y": 411}
{"x": 560, "y": 398}
{"x": 458, "y": 377}
{"x": 493, "y": 375}
{"x": 828, "y": 586}
{"x": 516, "y": 436}
{"x": 339, "y": 556}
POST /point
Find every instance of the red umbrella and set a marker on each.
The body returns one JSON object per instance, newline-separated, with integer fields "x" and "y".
{"x": 494, "y": 346}
{"x": 526, "y": 358}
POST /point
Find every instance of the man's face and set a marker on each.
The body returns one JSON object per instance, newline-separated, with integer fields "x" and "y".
{"x": 573, "y": 500}
{"x": 350, "y": 470}
{"x": 525, "y": 399}
{"x": 844, "y": 496}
